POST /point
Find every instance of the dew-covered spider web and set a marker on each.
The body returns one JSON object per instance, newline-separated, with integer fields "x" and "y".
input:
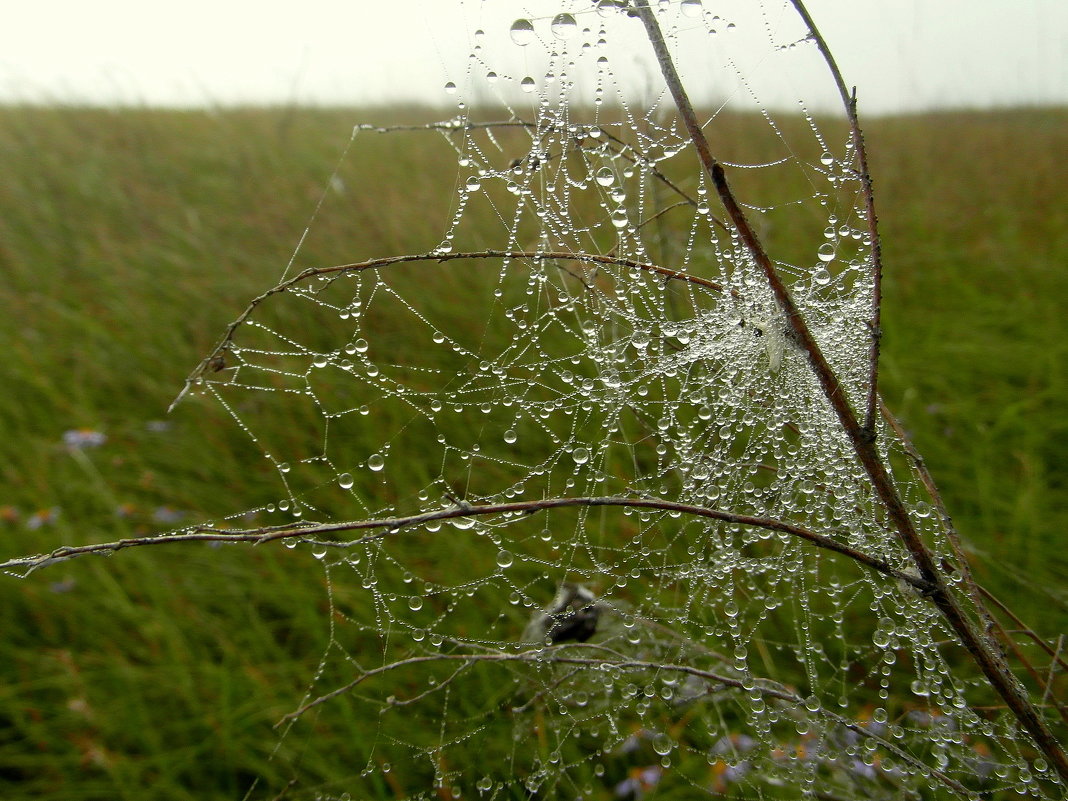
{"x": 561, "y": 467}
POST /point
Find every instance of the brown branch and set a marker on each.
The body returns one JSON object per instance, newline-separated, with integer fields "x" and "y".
{"x": 396, "y": 525}
{"x": 849, "y": 101}
{"x": 984, "y": 653}
{"x": 212, "y": 359}
{"x": 920, "y": 464}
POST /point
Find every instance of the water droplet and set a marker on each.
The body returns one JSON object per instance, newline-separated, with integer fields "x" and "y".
{"x": 473, "y": 184}
{"x": 505, "y": 559}
{"x": 826, "y": 252}
{"x": 692, "y": 8}
{"x": 450, "y": 88}
{"x": 619, "y": 218}
{"x": 580, "y": 455}
{"x": 821, "y": 276}
{"x": 283, "y": 467}
{"x": 415, "y": 603}
{"x": 605, "y": 176}
{"x": 527, "y": 84}
{"x": 826, "y": 159}
{"x": 345, "y": 480}
{"x": 376, "y": 462}
{"x": 662, "y": 744}
{"x": 360, "y": 345}
{"x": 564, "y": 26}
{"x": 522, "y": 32}
{"x": 491, "y": 77}
{"x": 510, "y": 436}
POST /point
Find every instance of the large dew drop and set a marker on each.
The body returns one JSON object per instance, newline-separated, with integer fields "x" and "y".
{"x": 522, "y": 32}
{"x": 563, "y": 27}
{"x": 691, "y": 8}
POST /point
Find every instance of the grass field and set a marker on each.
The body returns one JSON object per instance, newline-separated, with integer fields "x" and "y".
{"x": 129, "y": 239}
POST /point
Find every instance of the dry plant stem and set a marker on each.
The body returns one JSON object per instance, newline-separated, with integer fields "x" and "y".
{"x": 1024, "y": 629}
{"x": 223, "y": 346}
{"x": 396, "y": 525}
{"x": 849, "y": 101}
{"x": 975, "y": 590}
{"x": 561, "y": 655}
{"x": 986, "y": 656}
{"x": 943, "y": 514}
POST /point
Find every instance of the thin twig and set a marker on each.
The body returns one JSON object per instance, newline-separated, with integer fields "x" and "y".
{"x": 920, "y": 464}
{"x": 849, "y": 101}
{"x": 397, "y": 525}
{"x": 371, "y": 264}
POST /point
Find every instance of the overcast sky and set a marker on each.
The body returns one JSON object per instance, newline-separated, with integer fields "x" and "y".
{"x": 902, "y": 54}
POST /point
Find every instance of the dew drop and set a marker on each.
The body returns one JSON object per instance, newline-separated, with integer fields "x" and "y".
{"x": 826, "y": 252}
{"x": 662, "y": 744}
{"x": 564, "y": 26}
{"x": 580, "y": 455}
{"x": 450, "y": 88}
{"x": 473, "y": 184}
{"x": 692, "y": 8}
{"x": 415, "y": 603}
{"x": 826, "y": 159}
{"x": 619, "y": 218}
{"x": 510, "y": 436}
{"x": 527, "y": 84}
{"x": 522, "y": 32}
{"x": 505, "y": 559}
{"x": 375, "y": 462}
{"x": 345, "y": 480}
{"x": 605, "y": 176}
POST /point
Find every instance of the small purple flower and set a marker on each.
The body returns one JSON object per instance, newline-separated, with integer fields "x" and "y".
{"x": 640, "y": 781}
{"x": 64, "y": 586}
{"x": 42, "y": 517}
{"x": 165, "y": 514}
{"x": 77, "y": 438}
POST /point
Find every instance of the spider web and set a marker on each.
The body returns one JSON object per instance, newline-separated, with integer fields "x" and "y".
{"x": 589, "y": 328}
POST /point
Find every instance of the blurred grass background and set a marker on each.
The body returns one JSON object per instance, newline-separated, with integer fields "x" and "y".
{"x": 129, "y": 239}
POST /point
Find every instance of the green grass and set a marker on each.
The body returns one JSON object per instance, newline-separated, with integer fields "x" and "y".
{"x": 128, "y": 241}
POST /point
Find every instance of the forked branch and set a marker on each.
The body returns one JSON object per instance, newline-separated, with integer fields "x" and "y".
{"x": 986, "y": 655}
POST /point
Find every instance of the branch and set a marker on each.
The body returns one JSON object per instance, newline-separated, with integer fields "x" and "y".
{"x": 985, "y": 654}
{"x": 849, "y": 101}
{"x": 397, "y": 525}
{"x": 214, "y": 360}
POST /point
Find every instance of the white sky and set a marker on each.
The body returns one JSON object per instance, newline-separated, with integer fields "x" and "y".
{"x": 902, "y": 54}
